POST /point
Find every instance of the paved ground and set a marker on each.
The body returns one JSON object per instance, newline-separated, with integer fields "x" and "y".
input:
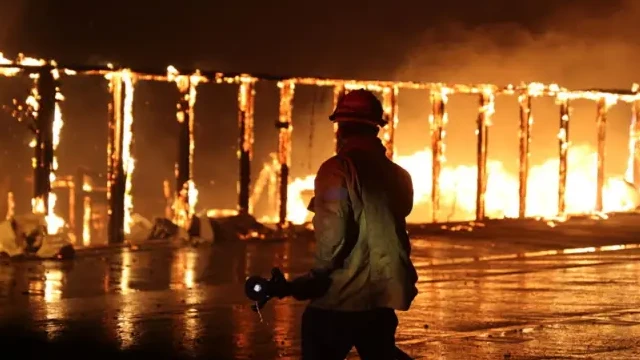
{"x": 510, "y": 290}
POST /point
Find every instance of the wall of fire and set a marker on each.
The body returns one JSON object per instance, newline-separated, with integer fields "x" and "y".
{"x": 84, "y": 188}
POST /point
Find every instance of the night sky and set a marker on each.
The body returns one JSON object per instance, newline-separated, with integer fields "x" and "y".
{"x": 576, "y": 43}
{"x": 328, "y": 38}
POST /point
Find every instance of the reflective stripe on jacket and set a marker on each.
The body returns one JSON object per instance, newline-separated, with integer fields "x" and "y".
{"x": 361, "y": 201}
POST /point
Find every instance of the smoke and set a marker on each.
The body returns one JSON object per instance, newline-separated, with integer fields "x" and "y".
{"x": 575, "y": 46}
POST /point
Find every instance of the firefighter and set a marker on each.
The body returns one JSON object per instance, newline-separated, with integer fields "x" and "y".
{"x": 361, "y": 200}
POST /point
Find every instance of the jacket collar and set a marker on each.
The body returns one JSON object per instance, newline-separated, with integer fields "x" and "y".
{"x": 364, "y": 143}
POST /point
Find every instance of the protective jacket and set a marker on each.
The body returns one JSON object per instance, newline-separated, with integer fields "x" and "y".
{"x": 361, "y": 201}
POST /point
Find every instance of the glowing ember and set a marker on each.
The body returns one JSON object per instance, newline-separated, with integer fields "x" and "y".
{"x": 215, "y": 213}
{"x": 22, "y": 60}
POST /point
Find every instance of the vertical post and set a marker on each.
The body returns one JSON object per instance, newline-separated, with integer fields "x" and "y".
{"x": 484, "y": 121}
{"x": 633, "y": 168}
{"x": 246, "y": 95}
{"x": 45, "y": 92}
{"x": 563, "y": 148}
{"x": 120, "y": 162}
{"x": 390, "y": 106}
{"x": 601, "y": 125}
{"x": 78, "y": 203}
{"x": 183, "y": 165}
{"x": 338, "y": 92}
{"x": 526, "y": 121}
{"x": 437, "y": 121}
{"x": 287, "y": 91}
{"x": 186, "y": 193}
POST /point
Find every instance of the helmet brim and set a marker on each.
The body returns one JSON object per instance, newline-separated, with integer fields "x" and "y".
{"x": 358, "y": 120}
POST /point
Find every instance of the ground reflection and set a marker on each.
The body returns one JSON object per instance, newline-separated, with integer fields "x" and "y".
{"x": 45, "y": 287}
{"x": 183, "y": 269}
{"x": 192, "y": 299}
{"x": 125, "y": 324}
{"x": 185, "y": 277}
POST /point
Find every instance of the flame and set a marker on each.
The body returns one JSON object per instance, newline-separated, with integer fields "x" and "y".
{"x": 187, "y": 85}
{"x": 54, "y": 222}
{"x": 11, "y": 206}
{"x": 183, "y": 210}
{"x": 22, "y": 61}
{"x": 86, "y": 221}
{"x": 216, "y": 213}
{"x": 458, "y": 189}
{"x": 127, "y": 140}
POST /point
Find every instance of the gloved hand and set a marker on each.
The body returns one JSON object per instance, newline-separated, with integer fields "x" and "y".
{"x": 311, "y": 285}
{"x": 278, "y": 286}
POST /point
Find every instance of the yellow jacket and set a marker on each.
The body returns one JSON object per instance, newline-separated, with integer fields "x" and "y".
{"x": 361, "y": 201}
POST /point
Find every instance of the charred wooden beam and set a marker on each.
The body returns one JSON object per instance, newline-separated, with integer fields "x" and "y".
{"x": 287, "y": 90}
{"x": 482, "y": 132}
{"x": 246, "y": 94}
{"x": 116, "y": 177}
{"x": 563, "y": 149}
{"x": 185, "y": 139}
{"x": 526, "y": 121}
{"x": 437, "y": 122}
{"x": 44, "y": 156}
{"x": 601, "y": 125}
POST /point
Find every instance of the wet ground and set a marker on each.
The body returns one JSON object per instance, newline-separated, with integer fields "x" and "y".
{"x": 511, "y": 290}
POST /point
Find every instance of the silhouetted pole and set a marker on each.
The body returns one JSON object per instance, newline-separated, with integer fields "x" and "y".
{"x": 185, "y": 139}
{"x": 186, "y": 192}
{"x": 563, "y": 149}
{"x": 437, "y": 121}
{"x": 116, "y": 176}
{"x": 43, "y": 161}
{"x": 482, "y": 132}
{"x": 246, "y": 94}
{"x": 526, "y": 121}
{"x": 287, "y": 91}
{"x": 601, "y": 125}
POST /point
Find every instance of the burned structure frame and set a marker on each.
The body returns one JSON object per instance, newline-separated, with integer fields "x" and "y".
{"x": 120, "y": 162}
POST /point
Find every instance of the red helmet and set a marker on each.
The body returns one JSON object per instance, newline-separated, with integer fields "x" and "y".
{"x": 360, "y": 106}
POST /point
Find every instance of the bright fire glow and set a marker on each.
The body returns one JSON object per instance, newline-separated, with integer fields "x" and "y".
{"x": 458, "y": 189}
{"x": 11, "y": 206}
{"x": 54, "y": 222}
{"x": 86, "y": 221}
{"x": 127, "y": 141}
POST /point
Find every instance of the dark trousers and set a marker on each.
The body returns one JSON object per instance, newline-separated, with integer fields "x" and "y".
{"x": 330, "y": 335}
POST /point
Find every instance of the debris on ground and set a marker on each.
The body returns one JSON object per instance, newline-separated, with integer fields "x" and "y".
{"x": 26, "y": 236}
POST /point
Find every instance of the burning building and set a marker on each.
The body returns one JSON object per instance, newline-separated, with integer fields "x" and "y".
{"x": 482, "y": 190}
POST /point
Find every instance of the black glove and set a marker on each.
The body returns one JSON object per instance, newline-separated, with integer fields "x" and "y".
{"x": 310, "y": 286}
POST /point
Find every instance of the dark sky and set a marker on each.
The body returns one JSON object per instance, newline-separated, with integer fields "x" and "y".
{"x": 329, "y": 38}
{"x": 577, "y": 43}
